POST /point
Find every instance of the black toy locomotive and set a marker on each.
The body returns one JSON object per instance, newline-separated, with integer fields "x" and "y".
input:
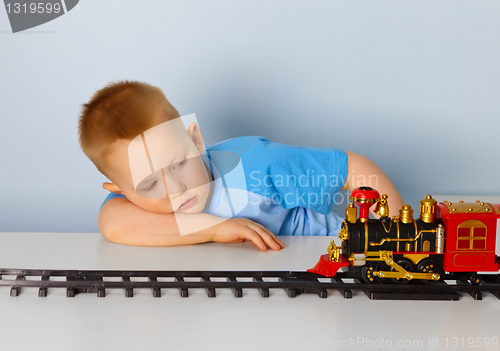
{"x": 458, "y": 238}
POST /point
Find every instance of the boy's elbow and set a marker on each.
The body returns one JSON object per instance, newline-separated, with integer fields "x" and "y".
{"x": 106, "y": 228}
{"x": 118, "y": 232}
{"x": 362, "y": 170}
{"x": 112, "y": 232}
{"x": 108, "y": 225}
{"x": 108, "y": 233}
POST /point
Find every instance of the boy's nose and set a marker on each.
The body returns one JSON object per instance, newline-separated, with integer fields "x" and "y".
{"x": 175, "y": 187}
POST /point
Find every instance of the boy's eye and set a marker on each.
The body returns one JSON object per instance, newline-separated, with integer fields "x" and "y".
{"x": 180, "y": 163}
{"x": 151, "y": 186}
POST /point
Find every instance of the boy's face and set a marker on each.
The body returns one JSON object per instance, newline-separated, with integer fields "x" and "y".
{"x": 161, "y": 170}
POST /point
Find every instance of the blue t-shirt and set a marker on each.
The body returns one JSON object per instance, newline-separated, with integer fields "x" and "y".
{"x": 288, "y": 189}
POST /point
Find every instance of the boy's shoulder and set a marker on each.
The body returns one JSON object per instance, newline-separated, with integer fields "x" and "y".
{"x": 239, "y": 144}
{"x": 258, "y": 153}
{"x": 261, "y": 146}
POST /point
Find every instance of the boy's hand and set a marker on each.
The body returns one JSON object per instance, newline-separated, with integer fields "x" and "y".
{"x": 236, "y": 230}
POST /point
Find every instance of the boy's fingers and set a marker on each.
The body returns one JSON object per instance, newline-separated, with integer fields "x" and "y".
{"x": 267, "y": 237}
{"x": 275, "y": 240}
{"x": 280, "y": 243}
{"x": 256, "y": 239}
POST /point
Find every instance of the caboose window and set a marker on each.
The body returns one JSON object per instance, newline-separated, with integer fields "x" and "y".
{"x": 471, "y": 235}
{"x": 480, "y": 232}
{"x": 479, "y": 244}
{"x": 463, "y": 244}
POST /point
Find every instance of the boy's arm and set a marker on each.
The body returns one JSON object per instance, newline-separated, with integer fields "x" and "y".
{"x": 123, "y": 222}
{"x": 361, "y": 167}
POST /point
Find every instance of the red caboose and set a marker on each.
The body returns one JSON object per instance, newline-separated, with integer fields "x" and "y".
{"x": 470, "y": 236}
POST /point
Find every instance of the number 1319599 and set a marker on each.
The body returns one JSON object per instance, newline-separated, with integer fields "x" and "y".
{"x": 471, "y": 342}
{"x": 39, "y": 7}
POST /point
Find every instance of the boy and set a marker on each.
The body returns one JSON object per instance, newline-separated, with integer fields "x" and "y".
{"x": 167, "y": 194}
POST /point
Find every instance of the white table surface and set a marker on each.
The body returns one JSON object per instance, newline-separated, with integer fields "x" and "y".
{"x": 306, "y": 322}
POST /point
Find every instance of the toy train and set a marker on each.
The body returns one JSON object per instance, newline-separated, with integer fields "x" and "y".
{"x": 449, "y": 241}
{"x": 457, "y": 239}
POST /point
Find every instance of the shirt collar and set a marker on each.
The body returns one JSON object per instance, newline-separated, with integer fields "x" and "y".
{"x": 217, "y": 186}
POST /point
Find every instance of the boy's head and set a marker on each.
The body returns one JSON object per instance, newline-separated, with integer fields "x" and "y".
{"x": 121, "y": 110}
{"x": 136, "y": 138}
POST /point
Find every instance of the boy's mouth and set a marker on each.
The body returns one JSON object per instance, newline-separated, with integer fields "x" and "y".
{"x": 188, "y": 204}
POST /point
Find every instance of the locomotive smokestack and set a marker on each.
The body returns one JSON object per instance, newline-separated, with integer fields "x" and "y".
{"x": 365, "y": 197}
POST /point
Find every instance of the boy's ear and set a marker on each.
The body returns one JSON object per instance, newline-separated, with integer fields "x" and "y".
{"x": 112, "y": 187}
{"x": 195, "y": 135}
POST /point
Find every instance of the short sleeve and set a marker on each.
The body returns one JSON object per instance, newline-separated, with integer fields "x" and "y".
{"x": 111, "y": 196}
{"x": 296, "y": 176}
{"x": 310, "y": 178}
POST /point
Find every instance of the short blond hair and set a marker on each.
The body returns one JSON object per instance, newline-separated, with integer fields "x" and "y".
{"x": 120, "y": 110}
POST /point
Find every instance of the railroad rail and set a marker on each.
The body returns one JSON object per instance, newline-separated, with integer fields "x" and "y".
{"x": 294, "y": 283}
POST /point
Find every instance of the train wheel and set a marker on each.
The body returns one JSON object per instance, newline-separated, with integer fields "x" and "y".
{"x": 475, "y": 279}
{"x": 430, "y": 265}
{"x": 368, "y": 272}
{"x": 407, "y": 265}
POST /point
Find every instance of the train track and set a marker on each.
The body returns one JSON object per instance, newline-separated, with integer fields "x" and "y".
{"x": 294, "y": 283}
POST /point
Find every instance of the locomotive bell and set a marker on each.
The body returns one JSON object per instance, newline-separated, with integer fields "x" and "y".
{"x": 364, "y": 197}
{"x": 382, "y": 207}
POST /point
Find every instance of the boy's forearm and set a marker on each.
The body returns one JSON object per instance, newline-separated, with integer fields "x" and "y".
{"x": 123, "y": 222}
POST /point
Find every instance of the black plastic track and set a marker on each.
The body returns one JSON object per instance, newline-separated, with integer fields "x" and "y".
{"x": 294, "y": 283}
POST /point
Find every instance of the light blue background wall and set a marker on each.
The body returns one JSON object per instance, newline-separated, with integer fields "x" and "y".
{"x": 414, "y": 85}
